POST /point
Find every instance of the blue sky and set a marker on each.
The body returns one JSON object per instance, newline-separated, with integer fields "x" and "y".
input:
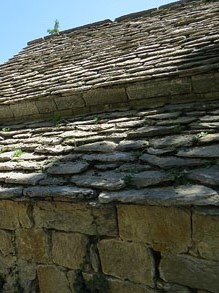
{"x": 25, "y": 20}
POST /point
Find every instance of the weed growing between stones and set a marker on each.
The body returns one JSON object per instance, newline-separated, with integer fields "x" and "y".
{"x": 56, "y": 120}
{"x": 128, "y": 180}
{"x": 197, "y": 136}
{"x": 179, "y": 176}
{"x": 18, "y": 153}
{"x": 5, "y": 129}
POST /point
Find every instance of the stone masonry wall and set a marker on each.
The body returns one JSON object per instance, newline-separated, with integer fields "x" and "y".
{"x": 147, "y": 93}
{"x": 62, "y": 246}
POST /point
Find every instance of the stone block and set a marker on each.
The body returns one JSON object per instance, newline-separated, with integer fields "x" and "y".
{"x": 69, "y": 102}
{"x": 46, "y": 105}
{"x": 5, "y": 112}
{"x": 101, "y": 96}
{"x": 126, "y": 260}
{"x": 14, "y": 215}
{"x": 72, "y": 217}
{"x": 106, "y": 220}
{"x": 32, "y": 244}
{"x": 22, "y": 109}
{"x": 6, "y": 243}
{"x": 52, "y": 280}
{"x": 27, "y": 275}
{"x": 118, "y": 286}
{"x": 69, "y": 249}
{"x": 67, "y": 217}
{"x": 205, "y": 83}
{"x": 206, "y": 232}
{"x": 163, "y": 228}
{"x": 159, "y": 88}
{"x": 190, "y": 271}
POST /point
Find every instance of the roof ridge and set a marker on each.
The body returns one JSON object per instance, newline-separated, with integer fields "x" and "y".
{"x": 89, "y": 25}
{"x": 147, "y": 12}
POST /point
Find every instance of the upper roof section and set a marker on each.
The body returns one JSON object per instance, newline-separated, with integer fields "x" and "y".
{"x": 177, "y": 40}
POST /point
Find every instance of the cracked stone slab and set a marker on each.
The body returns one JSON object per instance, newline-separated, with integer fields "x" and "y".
{"x": 6, "y": 156}
{"x": 54, "y": 150}
{"x": 126, "y": 145}
{"x": 68, "y": 168}
{"x": 59, "y": 191}
{"x": 99, "y": 147}
{"x": 170, "y": 161}
{"x": 180, "y": 120}
{"x": 105, "y": 180}
{"x": 172, "y": 141}
{"x": 148, "y": 178}
{"x": 167, "y": 196}
{"x": 149, "y": 131}
{"x": 209, "y": 176}
{"x": 10, "y": 192}
{"x": 8, "y": 166}
{"x": 24, "y": 178}
{"x": 115, "y": 157}
{"x": 155, "y": 151}
{"x": 164, "y": 116}
{"x": 211, "y": 151}
{"x": 77, "y": 133}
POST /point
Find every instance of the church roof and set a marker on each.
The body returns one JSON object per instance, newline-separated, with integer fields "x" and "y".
{"x": 176, "y": 40}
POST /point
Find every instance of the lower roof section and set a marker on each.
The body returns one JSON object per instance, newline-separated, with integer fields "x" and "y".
{"x": 168, "y": 155}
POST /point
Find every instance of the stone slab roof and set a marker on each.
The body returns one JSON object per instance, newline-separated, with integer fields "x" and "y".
{"x": 177, "y": 40}
{"x": 168, "y": 155}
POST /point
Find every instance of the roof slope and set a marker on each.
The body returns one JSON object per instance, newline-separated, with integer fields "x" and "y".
{"x": 175, "y": 40}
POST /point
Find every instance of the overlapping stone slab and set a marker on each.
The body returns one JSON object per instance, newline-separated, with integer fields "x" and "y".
{"x": 89, "y": 157}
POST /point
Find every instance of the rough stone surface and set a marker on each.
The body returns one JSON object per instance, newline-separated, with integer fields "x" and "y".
{"x": 58, "y": 191}
{"x": 169, "y": 161}
{"x": 208, "y": 176}
{"x": 190, "y": 271}
{"x": 201, "y": 152}
{"x": 14, "y": 215}
{"x": 68, "y": 168}
{"x": 153, "y": 225}
{"x": 75, "y": 218}
{"x": 99, "y": 147}
{"x": 151, "y": 131}
{"x": 172, "y": 141}
{"x": 69, "y": 249}
{"x": 64, "y": 217}
{"x": 33, "y": 244}
{"x": 107, "y": 180}
{"x": 118, "y": 262}
{"x": 52, "y": 280}
{"x": 117, "y": 286}
{"x": 206, "y": 233}
{"x": 167, "y": 196}
{"x": 26, "y": 179}
{"x": 6, "y": 246}
{"x": 148, "y": 178}
{"x": 10, "y": 192}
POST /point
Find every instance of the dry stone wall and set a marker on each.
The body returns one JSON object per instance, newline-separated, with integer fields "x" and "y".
{"x": 56, "y": 246}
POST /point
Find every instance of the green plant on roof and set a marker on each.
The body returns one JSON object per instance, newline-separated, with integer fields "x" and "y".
{"x": 128, "y": 179}
{"x": 55, "y": 29}
{"x": 18, "y": 153}
{"x": 6, "y": 129}
{"x": 196, "y": 138}
{"x": 57, "y": 120}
